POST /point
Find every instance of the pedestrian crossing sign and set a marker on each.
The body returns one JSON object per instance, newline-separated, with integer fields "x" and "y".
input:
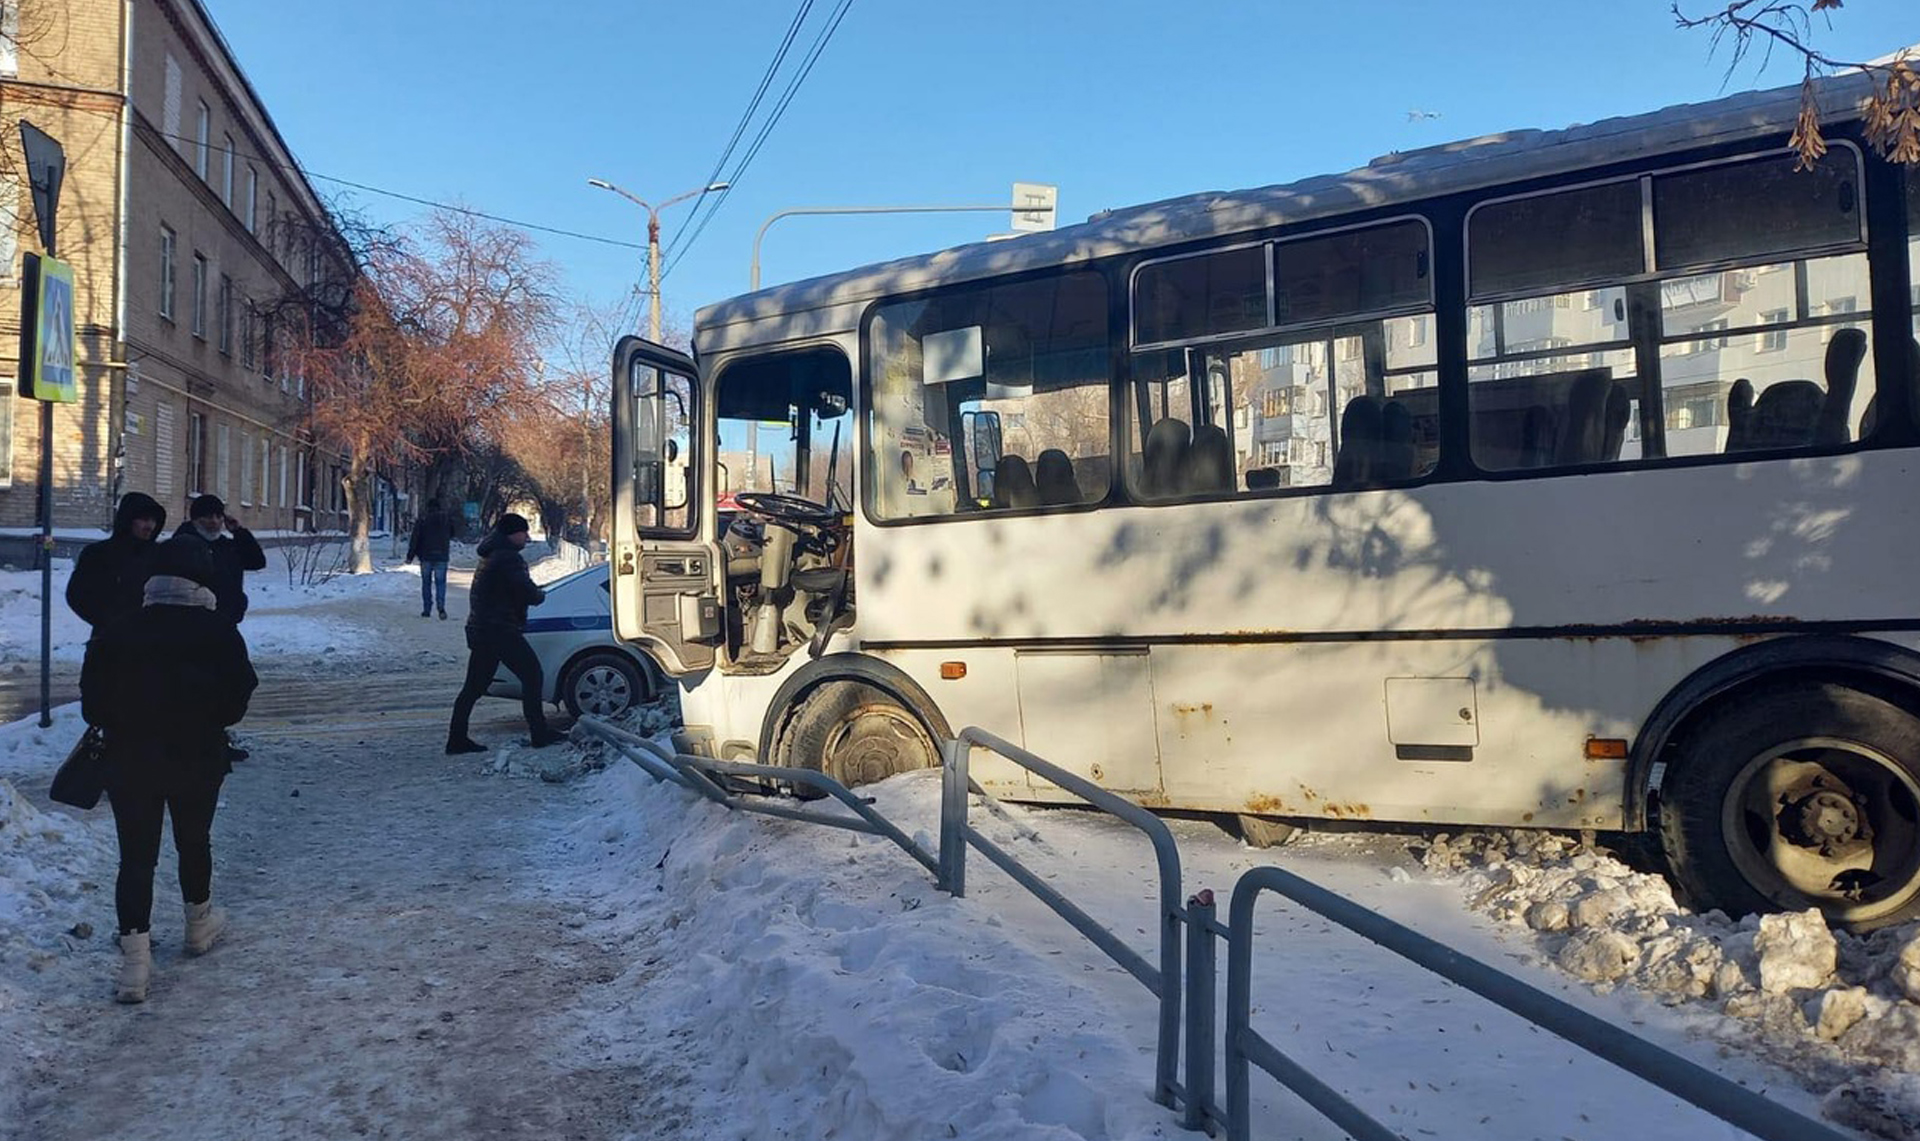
{"x": 47, "y": 340}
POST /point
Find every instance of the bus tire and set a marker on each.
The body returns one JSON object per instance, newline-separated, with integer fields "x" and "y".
{"x": 1798, "y": 795}
{"x": 1265, "y": 831}
{"x": 857, "y": 734}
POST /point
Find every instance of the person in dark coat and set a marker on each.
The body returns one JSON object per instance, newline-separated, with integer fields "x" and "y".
{"x": 163, "y": 683}
{"x": 110, "y": 575}
{"x": 432, "y": 543}
{"x": 235, "y": 551}
{"x": 497, "y": 613}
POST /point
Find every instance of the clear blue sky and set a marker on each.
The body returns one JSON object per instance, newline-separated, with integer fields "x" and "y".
{"x": 511, "y": 107}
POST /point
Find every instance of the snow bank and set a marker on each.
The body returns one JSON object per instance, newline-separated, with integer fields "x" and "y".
{"x": 56, "y": 883}
{"x": 1843, "y": 1011}
{"x": 819, "y": 976}
{"x": 20, "y": 619}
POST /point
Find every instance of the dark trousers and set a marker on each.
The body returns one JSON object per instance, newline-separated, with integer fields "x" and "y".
{"x": 137, "y": 818}
{"x": 489, "y": 648}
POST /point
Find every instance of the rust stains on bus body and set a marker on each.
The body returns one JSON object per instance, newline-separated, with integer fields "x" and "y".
{"x": 1271, "y": 804}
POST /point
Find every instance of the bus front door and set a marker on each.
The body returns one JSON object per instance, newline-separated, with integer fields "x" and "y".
{"x": 666, "y": 573}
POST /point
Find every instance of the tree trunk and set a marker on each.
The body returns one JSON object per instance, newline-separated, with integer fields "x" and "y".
{"x": 359, "y": 514}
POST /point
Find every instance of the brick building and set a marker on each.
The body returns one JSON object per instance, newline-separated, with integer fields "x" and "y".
{"x": 191, "y": 232}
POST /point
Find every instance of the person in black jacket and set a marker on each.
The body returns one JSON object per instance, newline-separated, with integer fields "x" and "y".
{"x": 110, "y": 575}
{"x": 234, "y": 549}
{"x": 497, "y": 613}
{"x": 431, "y": 543}
{"x": 163, "y": 683}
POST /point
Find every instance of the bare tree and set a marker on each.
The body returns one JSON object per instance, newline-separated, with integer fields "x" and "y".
{"x": 1892, "y": 110}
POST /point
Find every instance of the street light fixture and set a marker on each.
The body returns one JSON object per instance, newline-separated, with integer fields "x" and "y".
{"x": 653, "y": 239}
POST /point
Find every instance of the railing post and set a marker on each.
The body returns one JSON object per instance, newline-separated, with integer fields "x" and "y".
{"x": 1200, "y": 1001}
{"x": 953, "y": 818}
{"x": 1233, "y": 1054}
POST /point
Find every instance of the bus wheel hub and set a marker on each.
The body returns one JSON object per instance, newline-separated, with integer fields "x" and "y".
{"x": 1824, "y": 819}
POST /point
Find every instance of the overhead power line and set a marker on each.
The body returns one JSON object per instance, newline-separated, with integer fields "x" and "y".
{"x": 370, "y": 189}
{"x": 766, "y": 129}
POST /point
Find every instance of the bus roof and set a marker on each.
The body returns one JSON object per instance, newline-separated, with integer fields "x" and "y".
{"x": 798, "y": 309}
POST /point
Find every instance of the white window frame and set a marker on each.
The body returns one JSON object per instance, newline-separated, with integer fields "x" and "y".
{"x": 203, "y": 141}
{"x": 166, "y": 272}
{"x": 246, "y": 468}
{"x": 264, "y": 493}
{"x": 283, "y": 475}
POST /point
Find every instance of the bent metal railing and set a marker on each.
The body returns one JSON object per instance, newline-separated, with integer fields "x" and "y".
{"x": 1240, "y": 1046}
{"x": 700, "y": 775}
{"x": 956, "y": 832}
{"x": 1694, "y": 1084}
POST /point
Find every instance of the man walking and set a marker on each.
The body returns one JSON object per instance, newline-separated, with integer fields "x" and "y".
{"x": 234, "y": 549}
{"x": 110, "y": 575}
{"x": 431, "y": 543}
{"x": 497, "y": 613}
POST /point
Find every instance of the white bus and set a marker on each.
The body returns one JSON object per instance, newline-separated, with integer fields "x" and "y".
{"x": 1556, "y": 479}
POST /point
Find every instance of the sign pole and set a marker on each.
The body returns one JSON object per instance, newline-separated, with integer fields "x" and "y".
{"x": 47, "y": 359}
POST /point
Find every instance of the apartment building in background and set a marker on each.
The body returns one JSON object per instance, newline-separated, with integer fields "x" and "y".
{"x": 193, "y": 234}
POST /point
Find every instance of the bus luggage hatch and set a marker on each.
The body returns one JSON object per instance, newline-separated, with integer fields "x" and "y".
{"x": 1091, "y": 713}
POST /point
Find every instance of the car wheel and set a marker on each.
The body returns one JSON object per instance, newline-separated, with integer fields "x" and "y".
{"x": 1800, "y": 796}
{"x": 603, "y": 684}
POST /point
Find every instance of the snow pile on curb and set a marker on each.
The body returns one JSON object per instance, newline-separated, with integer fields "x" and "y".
{"x": 56, "y": 881}
{"x": 1840, "y": 1010}
{"x": 20, "y": 619}
{"x": 821, "y": 974}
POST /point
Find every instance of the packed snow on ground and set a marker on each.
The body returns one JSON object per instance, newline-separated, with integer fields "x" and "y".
{"x": 20, "y": 617}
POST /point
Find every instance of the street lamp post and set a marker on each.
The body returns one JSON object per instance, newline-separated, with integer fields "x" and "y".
{"x": 653, "y": 241}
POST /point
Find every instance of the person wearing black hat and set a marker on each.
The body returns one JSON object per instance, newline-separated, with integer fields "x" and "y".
{"x": 109, "y": 576}
{"x": 235, "y": 551}
{"x": 163, "y": 683}
{"x": 497, "y": 613}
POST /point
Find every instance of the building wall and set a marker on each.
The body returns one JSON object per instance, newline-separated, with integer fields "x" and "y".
{"x": 62, "y": 73}
{"x": 202, "y": 402}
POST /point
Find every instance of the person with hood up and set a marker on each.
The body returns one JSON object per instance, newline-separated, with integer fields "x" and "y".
{"x": 431, "y": 543}
{"x": 109, "y": 576}
{"x": 496, "y": 616}
{"x": 234, "y": 549}
{"x": 164, "y": 683}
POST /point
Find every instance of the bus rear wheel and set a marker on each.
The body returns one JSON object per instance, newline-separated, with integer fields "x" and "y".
{"x": 857, "y": 734}
{"x": 1799, "y": 796}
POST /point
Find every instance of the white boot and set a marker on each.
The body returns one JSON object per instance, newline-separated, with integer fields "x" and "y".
{"x": 205, "y": 922}
{"x": 136, "y": 968}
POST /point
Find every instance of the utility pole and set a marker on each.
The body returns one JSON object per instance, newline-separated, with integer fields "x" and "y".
{"x": 653, "y": 241}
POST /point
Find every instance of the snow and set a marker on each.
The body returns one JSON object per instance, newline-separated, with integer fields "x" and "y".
{"x": 775, "y": 979}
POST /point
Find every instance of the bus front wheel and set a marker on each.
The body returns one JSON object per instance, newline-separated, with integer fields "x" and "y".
{"x": 857, "y": 734}
{"x": 1799, "y": 796}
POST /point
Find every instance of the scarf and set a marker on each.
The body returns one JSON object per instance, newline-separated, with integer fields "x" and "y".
{"x": 172, "y": 590}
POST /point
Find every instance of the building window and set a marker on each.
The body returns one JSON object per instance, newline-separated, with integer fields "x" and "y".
{"x": 1708, "y": 343}
{"x": 170, "y": 106}
{"x": 283, "y": 475}
{"x": 166, "y": 273}
{"x": 226, "y": 176}
{"x": 9, "y": 58}
{"x": 223, "y": 464}
{"x": 1774, "y": 340}
{"x": 266, "y": 346}
{"x": 196, "y": 453}
{"x": 266, "y": 471}
{"x": 223, "y": 315}
{"x": 6, "y": 432}
{"x": 199, "y": 313}
{"x": 202, "y": 140}
{"x": 253, "y": 197}
{"x": 246, "y": 469}
{"x": 271, "y": 220}
{"x": 247, "y": 354}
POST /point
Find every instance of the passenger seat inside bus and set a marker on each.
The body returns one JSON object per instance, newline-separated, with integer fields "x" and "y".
{"x": 1053, "y": 478}
{"x": 1013, "y": 484}
{"x": 1361, "y": 430}
{"x": 1209, "y": 466}
{"x": 1164, "y": 458}
{"x": 1797, "y": 413}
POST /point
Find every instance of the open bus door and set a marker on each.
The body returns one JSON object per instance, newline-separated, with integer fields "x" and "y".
{"x": 666, "y": 574}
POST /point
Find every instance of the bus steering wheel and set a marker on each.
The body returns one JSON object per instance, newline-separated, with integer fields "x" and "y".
{"x": 788, "y": 510}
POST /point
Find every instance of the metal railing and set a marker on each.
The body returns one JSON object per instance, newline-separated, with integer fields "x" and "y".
{"x": 707, "y": 778}
{"x": 1240, "y": 1047}
{"x": 1694, "y": 1084}
{"x": 956, "y": 833}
